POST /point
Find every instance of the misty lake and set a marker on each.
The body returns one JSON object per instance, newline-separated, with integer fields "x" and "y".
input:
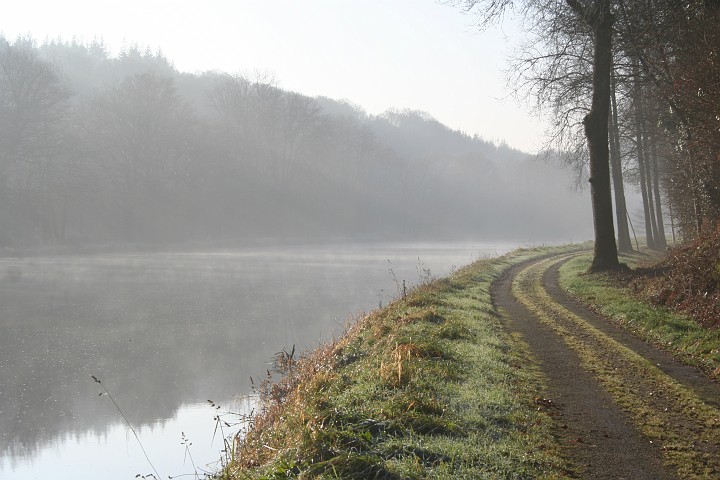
{"x": 165, "y": 333}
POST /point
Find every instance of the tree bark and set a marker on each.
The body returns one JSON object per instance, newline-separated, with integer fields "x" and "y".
{"x": 599, "y": 18}
{"x": 649, "y": 240}
{"x": 672, "y": 220}
{"x": 649, "y": 184}
{"x": 660, "y": 240}
{"x": 624, "y": 242}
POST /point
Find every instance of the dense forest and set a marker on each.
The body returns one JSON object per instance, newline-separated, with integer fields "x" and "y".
{"x": 98, "y": 149}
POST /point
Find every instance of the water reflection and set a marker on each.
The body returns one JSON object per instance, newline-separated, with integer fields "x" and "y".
{"x": 163, "y": 331}
{"x": 115, "y": 453}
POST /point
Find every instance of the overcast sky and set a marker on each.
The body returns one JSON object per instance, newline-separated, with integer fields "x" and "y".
{"x": 417, "y": 54}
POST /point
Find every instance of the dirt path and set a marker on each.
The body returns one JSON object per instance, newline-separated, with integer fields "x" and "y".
{"x": 624, "y": 410}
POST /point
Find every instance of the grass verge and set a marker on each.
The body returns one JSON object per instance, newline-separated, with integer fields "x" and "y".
{"x": 679, "y": 334}
{"x": 431, "y": 386}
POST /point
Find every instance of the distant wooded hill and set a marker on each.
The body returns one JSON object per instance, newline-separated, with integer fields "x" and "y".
{"x": 96, "y": 149}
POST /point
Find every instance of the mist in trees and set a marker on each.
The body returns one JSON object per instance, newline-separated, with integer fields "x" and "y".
{"x": 659, "y": 80}
{"x": 98, "y": 149}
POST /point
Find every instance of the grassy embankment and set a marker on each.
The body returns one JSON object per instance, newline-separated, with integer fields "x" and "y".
{"x": 679, "y": 334}
{"x": 432, "y": 386}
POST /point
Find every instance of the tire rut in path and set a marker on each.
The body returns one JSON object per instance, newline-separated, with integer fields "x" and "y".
{"x": 598, "y": 438}
{"x": 707, "y": 390}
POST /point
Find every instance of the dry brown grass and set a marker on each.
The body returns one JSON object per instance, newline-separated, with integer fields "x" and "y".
{"x": 686, "y": 280}
{"x": 283, "y": 400}
{"x": 398, "y": 368}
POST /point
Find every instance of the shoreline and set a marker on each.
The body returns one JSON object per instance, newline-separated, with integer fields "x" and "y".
{"x": 435, "y": 384}
{"x": 406, "y": 391}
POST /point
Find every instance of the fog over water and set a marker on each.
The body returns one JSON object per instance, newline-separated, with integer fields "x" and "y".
{"x": 169, "y": 232}
{"x": 165, "y": 332}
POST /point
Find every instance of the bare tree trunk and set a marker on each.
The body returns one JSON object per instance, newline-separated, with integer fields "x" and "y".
{"x": 598, "y": 16}
{"x": 649, "y": 183}
{"x": 697, "y": 202}
{"x": 624, "y": 242}
{"x": 649, "y": 240}
{"x": 672, "y": 220}
{"x": 641, "y": 166}
{"x": 660, "y": 240}
{"x": 647, "y": 161}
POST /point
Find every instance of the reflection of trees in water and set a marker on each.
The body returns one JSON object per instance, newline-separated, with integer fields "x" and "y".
{"x": 49, "y": 392}
{"x": 155, "y": 347}
{"x": 163, "y": 330}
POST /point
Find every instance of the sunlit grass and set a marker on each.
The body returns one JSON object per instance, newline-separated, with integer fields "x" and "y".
{"x": 677, "y": 333}
{"x": 670, "y": 414}
{"x": 431, "y": 386}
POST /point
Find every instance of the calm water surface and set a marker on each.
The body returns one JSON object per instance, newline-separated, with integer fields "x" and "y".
{"x": 165, "y": 333}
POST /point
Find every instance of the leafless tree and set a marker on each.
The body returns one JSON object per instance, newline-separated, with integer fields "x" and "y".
{"x": 595, "y": 17}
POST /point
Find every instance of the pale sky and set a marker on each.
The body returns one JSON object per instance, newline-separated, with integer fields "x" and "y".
{"x": 417, "y": 54}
